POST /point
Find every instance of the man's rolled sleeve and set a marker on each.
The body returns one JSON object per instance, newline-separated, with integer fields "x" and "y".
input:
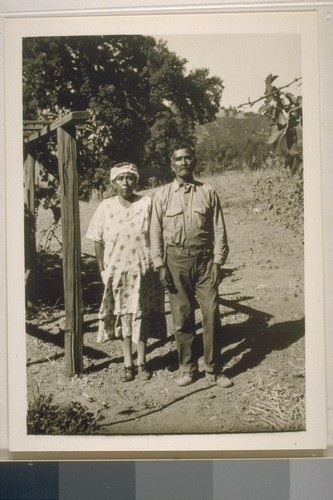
{"x": 156, "y": 233}
{"x": 221, "y": 248}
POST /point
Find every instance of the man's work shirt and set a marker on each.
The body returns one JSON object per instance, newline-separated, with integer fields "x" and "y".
{"x": 187, "y": 215}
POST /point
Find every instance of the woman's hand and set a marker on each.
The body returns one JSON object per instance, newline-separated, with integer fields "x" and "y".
{"x": 99, "y": 252}
{"x": 104, "y": 276}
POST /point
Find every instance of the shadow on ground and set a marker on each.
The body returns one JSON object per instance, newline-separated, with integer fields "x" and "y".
{"x": 254, "y": 338}
{"x": 250, "y": 340}
{"x": 50, "y": 288}
{"x": 58, "y": 341}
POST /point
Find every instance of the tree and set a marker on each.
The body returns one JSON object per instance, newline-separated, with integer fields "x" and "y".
{"x": 285, "y": 112}
{"x": 138, "y": 92}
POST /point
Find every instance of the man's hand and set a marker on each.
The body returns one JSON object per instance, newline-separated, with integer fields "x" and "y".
{"x": 165, "y": 276}
{"x": 216, "y": 275}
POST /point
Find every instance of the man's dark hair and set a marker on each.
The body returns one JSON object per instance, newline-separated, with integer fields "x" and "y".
{"x": 182, "y": 145}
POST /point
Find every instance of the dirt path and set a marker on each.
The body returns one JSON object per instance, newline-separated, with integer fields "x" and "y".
{"x": 262, "y": 342}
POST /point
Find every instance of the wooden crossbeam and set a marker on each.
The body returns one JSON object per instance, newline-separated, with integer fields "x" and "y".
{"x": 37, "y": 122}
{"x": 70, "y": 119}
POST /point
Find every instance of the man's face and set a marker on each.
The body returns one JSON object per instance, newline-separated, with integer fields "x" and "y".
{"x": 183, "y": 163}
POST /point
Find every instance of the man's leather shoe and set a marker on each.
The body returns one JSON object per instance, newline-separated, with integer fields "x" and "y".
{"x": 210, "y": 378}
{"x": 185, "y": 379}
{"x": 224, "y": 382}
{"x": 221, "y": 381}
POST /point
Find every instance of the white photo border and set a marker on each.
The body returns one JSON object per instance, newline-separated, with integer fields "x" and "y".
{"x": 303, "y": 23}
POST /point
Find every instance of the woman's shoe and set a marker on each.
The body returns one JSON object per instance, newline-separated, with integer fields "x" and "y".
{"x": 128, "y": 375}
{"x": 143, "y": 373}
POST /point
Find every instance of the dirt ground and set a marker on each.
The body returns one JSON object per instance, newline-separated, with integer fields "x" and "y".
{"x": 262, "y": 339}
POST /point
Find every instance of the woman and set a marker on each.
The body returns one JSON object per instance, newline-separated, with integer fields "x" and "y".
{"x": 132, "y": 307}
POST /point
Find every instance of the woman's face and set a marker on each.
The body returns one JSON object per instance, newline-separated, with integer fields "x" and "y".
{"x": 125, "y": 185}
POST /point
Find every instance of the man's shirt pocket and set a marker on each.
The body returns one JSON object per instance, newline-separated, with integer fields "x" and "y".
{"x": 200, "y": 217}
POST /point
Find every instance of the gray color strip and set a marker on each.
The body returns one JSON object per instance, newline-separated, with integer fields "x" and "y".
{"x": 174, "y": 480}
{"x": 103, "y": 480}
{"x": 251, "y": 480}
{"x": 311, "y": 479}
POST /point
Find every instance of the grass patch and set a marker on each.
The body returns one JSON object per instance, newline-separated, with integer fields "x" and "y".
{"x": 276, "y": 405}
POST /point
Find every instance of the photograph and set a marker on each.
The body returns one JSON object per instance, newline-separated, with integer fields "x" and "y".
{"x": 166, "y": 187}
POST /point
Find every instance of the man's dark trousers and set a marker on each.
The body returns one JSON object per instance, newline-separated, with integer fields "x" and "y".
{"x": 191, "y": 273}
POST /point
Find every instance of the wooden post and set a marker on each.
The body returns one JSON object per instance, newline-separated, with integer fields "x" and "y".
{"x": 29, "y": 228}
{"x": 67, "y": 157}
{"x": 65, "y": 128}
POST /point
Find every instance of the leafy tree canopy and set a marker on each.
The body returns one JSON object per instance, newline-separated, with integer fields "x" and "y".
{"x": 140, "y": 96}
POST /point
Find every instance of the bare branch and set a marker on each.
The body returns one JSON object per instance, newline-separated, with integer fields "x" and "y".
{"x": 251, "y": 103}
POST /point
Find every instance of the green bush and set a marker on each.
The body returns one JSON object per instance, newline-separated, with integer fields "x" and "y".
{"x": 46, "y": 417}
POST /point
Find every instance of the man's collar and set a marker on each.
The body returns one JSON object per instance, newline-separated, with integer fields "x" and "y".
{"x": 177, "y": 185}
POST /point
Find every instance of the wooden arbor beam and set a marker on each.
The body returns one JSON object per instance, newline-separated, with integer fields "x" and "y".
{"x": 73, "y": 118}
{"x": 71, "y": 241}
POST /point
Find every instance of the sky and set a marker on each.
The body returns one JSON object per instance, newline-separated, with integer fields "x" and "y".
{"x": 242, "y": 61}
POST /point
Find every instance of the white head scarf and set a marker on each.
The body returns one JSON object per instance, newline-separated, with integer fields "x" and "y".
{"x": 124, "y": 168}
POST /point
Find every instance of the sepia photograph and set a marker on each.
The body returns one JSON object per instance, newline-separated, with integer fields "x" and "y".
{"x": 165, "y": 201}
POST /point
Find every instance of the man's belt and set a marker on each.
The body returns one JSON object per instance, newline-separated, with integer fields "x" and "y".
{"x": 190, "y": 249}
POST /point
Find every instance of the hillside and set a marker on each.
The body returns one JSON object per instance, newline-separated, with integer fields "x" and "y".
{"x": 232, "y": 143}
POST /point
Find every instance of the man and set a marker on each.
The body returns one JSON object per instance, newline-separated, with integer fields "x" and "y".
{"x": 189, "y": 246}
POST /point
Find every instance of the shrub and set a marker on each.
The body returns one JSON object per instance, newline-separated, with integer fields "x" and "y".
{"x": 280, "y": 191}
{"x": 46, "y": 417}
